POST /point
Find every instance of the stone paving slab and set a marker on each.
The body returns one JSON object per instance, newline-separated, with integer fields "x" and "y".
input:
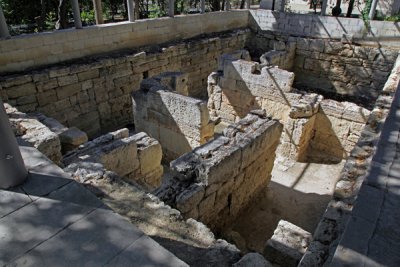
{"x": 33, "y": 224}
{"x": 145, "y": 250}
{"x": 51, "y": 220}
{"x": 10, "y": 201}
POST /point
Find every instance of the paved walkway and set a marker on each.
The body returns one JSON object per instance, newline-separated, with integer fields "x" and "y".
{"x": 51, "y": 220}
{"x": 372, "y": 236}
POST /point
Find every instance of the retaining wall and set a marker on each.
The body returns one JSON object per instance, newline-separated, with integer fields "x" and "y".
{"x": 95, "y": 95}
{"x": 33, "y": 50}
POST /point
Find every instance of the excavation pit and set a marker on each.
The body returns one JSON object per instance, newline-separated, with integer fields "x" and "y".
{"x": 312, "y": 96}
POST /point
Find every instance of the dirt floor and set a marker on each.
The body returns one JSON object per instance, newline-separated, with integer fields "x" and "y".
{"x": 298, "y": 193}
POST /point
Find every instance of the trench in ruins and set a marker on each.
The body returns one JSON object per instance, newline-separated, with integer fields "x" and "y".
{"x": 268, "y": 144}
{"x": 317, "y": 136}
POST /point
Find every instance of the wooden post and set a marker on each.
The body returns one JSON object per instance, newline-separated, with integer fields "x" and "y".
{"x": 171, "y": 8}
{"x": 98, "y": 11}
{"x": 77, "y": 14}
{"x": 12, "y": 167}
{"x": 131, "y": 10}
{"x": 4, "y": 33}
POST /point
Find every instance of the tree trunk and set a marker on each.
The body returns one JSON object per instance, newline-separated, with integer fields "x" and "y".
{"x": 62, "y": 22}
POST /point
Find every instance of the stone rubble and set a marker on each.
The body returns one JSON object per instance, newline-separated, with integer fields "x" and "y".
{"x": 135, "y": 157}
{"x": 288, "y": 244}
{"x": 190, "y": 240}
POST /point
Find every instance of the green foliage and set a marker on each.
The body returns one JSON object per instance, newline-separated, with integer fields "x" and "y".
{"x": 394, "y": 18}
{"x": 365, "y": 13}
{"x": 51, "y": 19}
{"x": 88, "y": 17}
{"x": 156, "y": 11}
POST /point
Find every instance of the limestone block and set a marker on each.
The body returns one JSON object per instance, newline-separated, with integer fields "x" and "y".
{"x": 288, "y": 244}
{"x": 252, "y": 259}
{"x": 120, "y": 156}
{"x": 190, "y": 198}
{"x": 235, "y": 55}
{"x": 149, "y": 154}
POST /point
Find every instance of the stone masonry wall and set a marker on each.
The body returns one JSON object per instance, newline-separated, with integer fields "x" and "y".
{"x": 382, "y": 33}
{"x": 331, "y": 67}
{"x": 33, "y": 50}
{"x": 331, "y": 227}
{"x": 218, "y": 179}
{"x": 314, "y": 128}
{"x": 95, "y": 95}
{"x": 181, "y": 123}
{"x": 135, "y": 157}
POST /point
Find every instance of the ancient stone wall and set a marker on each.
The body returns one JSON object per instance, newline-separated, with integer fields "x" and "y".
{"x": 334, "y": 68}
{"x": 314, "y": 129}
{"x": 217, "y": 180}
{"x": 331, "y": 227}
{"x": 95, "y": 95}
{"x": 179, "y": 122}
{"x": 382, "y": 33}
{"x": 40, "y": 49}
{"x": 32, "y": 131}
{"x": 136, "y": 157}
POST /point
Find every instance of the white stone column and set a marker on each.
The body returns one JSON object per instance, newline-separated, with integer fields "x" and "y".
{"x": 203, "y": 6}
{"x": 4, "y": 33}
{"x": 372, "y": 11}
{"x": 171, "y": 8}
{"x": 227, "y": 5}
{"x": 98, "y": 11}
{"x": 77, "y": 14}
{"x": 12, "y": 167}
{"x": 248, "y": 4}
{"x": 131, "y": 10}
{"x": 323, "y": 8}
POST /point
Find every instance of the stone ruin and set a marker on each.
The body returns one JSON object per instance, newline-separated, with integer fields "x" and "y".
{"x": 279, "y": 110}
{"x": 163, "y": 109}
{"x": 217, "y": 180}
{"x": 314, "y": 128}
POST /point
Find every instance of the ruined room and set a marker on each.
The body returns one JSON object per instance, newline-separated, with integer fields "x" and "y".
{"x": 240, "y": 137}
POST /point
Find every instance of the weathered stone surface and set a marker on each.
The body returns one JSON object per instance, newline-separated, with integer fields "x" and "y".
{"x": 287, "y": 245}
{"x": 252, "y": 259}
{"x": 136, "y": 157}
{"x": 31, "y": 130}
{"x": 179, "y": 122}
{"x": 204, "y": 181}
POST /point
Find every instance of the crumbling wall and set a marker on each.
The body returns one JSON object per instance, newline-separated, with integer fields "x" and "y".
{"x": 95, "y": 94}
{"x": 179, "y": 122}
{"x": 315, "y": 129}
{"x": 334, "y": 68}
{"x": 331, "y": 227}
{"x": 245, "y": 85}
{"x": 214, "y": 182}
{"x": 337, "y": 128}
{"x": 136, "y": 157}
{"x": 46, "y": 134}
{"x": 31, "y": 130}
